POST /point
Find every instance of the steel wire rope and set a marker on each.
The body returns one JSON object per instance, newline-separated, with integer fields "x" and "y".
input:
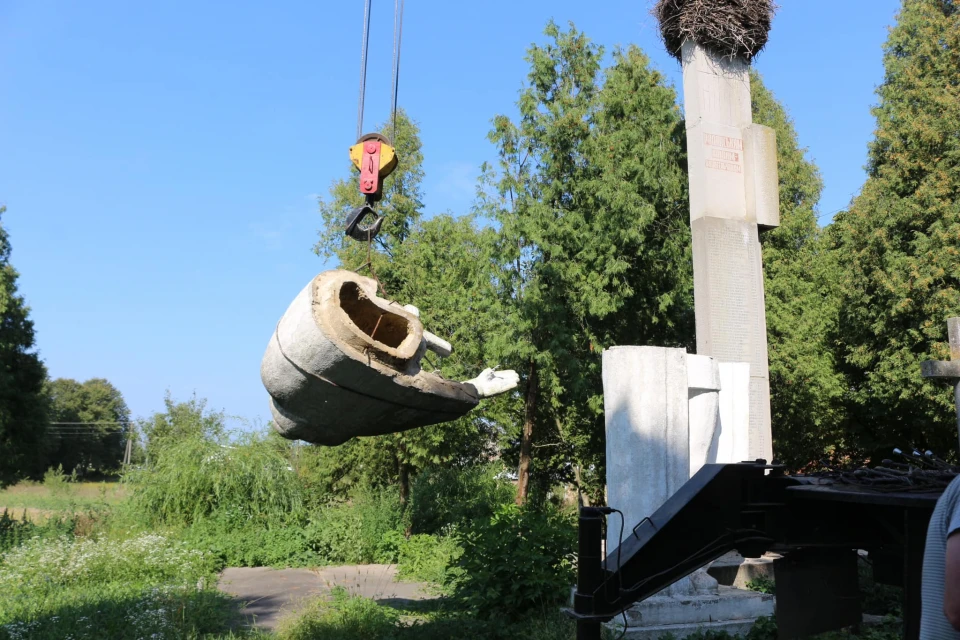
{"x": 397, "y": 43}
{"x": 364, "y": 49}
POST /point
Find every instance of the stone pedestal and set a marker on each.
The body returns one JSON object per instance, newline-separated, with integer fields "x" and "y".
{"x": 664, "y": 411}
{"x": 731, "y": 610}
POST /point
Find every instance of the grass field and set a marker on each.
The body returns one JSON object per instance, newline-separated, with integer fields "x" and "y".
{"x": 41, "y": 499}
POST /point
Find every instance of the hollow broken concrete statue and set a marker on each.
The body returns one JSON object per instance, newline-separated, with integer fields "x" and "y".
{"x": 344, "y": 362}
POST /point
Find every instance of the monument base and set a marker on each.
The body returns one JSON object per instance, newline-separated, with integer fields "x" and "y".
{"x": 731, "y": 610}
{"x": 734, "y": 570}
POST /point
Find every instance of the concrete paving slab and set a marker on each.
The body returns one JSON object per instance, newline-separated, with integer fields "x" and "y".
{"x": 271, "y": 593}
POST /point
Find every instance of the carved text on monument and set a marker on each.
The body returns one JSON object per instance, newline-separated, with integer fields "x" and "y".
{"x": 726, "y": 153}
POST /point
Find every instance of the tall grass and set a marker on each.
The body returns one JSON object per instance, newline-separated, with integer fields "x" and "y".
{"x": 347, "y": 617}
{"x": 143, "y": 587}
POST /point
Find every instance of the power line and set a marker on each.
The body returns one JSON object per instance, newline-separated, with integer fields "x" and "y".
{"x": 98, "y": 422}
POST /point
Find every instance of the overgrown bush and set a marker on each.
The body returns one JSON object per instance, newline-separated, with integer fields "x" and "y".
{"x": 253, "y": 545}
{"x": 346, "y": 617}
{"x": 519, "y": 561}
{"x": 441, "y": 497}
{"x": 16, "y": 531}
{"x": 429, "y": 558}
{"x": 246, "y": 482}
{"x": 342, "y": 618}
{"x": 364, "y": 529}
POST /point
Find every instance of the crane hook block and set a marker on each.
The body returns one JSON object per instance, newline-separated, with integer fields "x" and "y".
{"x": 374, "y": 156}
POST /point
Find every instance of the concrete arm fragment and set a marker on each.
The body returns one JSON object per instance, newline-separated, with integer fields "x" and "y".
{"x": 492, "y": 383}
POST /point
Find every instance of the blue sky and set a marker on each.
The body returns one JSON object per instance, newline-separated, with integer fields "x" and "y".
{"x": 161, "y": 161}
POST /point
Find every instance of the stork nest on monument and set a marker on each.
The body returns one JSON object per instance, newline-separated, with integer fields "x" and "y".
{"x": 728, "y": 28}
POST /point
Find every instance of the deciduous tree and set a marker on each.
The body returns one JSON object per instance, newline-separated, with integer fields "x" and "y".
{"x": 91, "y": 423}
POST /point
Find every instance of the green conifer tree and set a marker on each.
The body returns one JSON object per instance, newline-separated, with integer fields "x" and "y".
{"x": 22, "y": 408}
{"x": 898, "y": 247}
{"x": 594, "y": 244}
{"x": 805, "y": 386}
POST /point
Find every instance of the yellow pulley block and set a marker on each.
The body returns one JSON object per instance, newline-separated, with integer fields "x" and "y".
{"x": 374, "y": 156}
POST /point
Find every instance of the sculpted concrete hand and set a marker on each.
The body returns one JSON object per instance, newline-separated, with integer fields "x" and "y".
{"x": 492, "y": 383}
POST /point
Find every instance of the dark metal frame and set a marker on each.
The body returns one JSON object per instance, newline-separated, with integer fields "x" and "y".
{"x": 752, "y": 508}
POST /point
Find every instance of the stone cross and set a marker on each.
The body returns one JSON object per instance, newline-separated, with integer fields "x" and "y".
{"x": 948, "y": 370}
{"x": 734, "y": 192}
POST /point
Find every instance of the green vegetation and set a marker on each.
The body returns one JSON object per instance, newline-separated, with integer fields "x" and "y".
{"x": 100, "y": 588}
{"x": 58, "y": 492}
{"x": 895, "y": 251}
{"x": 22, "y": 407}
{"x": 578, "y": 241}
{"x": 90, "y": 424}
{"x": 354, "y": 618}
{"x": 805, "y": 385}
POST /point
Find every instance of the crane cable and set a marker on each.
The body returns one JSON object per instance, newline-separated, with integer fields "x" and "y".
{"x": 397, "y": 38}
{"x": 398, "y": 6}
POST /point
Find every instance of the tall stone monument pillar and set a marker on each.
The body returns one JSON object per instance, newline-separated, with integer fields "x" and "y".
{"x": 734, "y": 192}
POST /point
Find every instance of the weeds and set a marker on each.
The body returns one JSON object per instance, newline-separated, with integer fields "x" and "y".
{"x": 348, "y": 617}
{"x": 143, "y": 587}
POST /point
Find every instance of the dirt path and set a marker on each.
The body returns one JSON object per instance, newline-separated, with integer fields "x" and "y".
{"x": 270, "y": 593}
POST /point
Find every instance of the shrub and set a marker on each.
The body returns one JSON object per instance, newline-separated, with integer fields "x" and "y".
{"x": 196, "y": 477}
{"x": 762, "y": 584}
{"x": 441, "y": 497}
{"x": 343, "y": 618}
{"x": 365, "y": 529}
{"x": 519, "y": 561}
{"x": 428, "y": 558}
{"x": 348, "y": 617}
{"x": 254, "y": 545}
{"x": 14, "y": 532}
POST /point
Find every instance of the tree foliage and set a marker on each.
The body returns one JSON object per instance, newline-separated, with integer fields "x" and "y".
{"x": 22, "y": 411}
{"x": 593, "y": 241}
{"x": 440, "y": 265}
{"x": 92, "y": 423}
{"x": 806, "y": 387}
{"x": 185, "y": 420}
{"x": 896, "y": 249}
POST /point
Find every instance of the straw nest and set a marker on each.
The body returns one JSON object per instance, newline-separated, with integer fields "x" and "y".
{"x": 729, "y": 28}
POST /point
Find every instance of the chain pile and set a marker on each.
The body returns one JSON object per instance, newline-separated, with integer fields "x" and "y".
{"x": 921, "y": 473}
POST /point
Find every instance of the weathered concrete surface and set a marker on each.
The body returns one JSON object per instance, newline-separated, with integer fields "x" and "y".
{"x": 734, "y": 439}
{"x": 271, "y": 593}
{"x": 730, "y": 610}
{"x": 732, "y": 570}
{"x": 648, "y": 445}
{"x": 703, "y": 391}
{"x": 730, "y": 312}
{"x": 343, "y": 362}
{"x": 662, "y": 408}
{"x": 734, "y": 190}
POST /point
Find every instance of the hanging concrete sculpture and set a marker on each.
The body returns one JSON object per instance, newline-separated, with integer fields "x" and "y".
{"x": 344, "y": 363}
